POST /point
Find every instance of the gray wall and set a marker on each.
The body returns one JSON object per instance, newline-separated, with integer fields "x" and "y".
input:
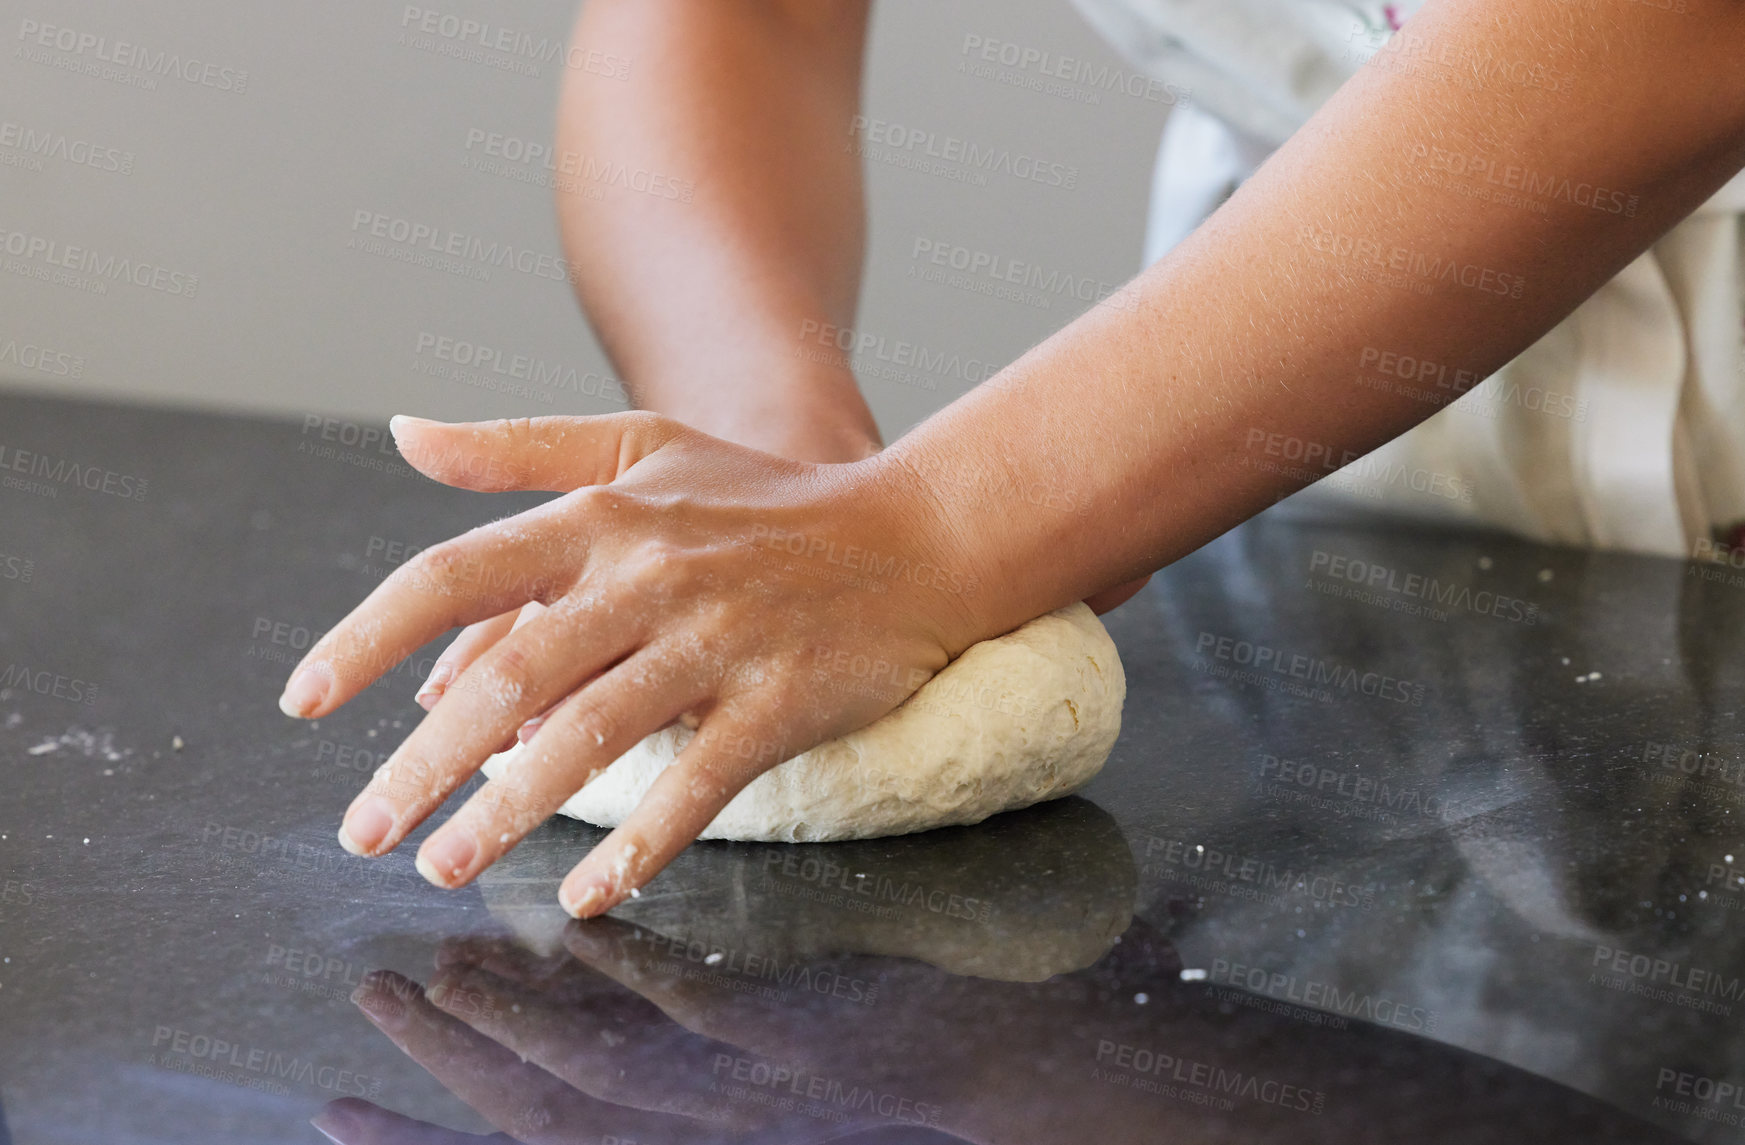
{"x": 247, "y": 173}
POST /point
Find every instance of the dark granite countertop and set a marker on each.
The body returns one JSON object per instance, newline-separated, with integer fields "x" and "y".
{"x": 1407, "y": 837}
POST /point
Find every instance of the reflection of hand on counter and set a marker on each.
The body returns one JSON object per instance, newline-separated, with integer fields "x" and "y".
{"x": 1120, "y": 1052}
{"x": 1023, "y": 896}
{"x": 549, "y": 1072}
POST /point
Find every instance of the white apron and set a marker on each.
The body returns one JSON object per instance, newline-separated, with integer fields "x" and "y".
{"x": 1622, "y": 428}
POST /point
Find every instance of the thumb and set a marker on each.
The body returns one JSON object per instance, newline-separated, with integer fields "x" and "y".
{"x": 553, "y": 454}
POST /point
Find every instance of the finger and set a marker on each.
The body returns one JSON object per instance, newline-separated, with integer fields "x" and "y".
{"x": 472, "y": 641}
{"x": 525, "y": 732}
{"x": 758, "y": 1010}
{"x": 557, "y": 975}
{"x": 503, "y": 957}
{"x": 476, "y": 576}
{"x": 467, "y": 647}
{"x": 531, "y": 728}
{"x": 604, "y": 1041}
{"x": 554, "y": 454}
{"x": 517, "y": 1097}
{"x": 354, "y": 1121}
{"x": 719, "y": 761}
{"x": 578, "y": 741}
{"x": 522, "y": 675}
{"x": 491, "y": 1079}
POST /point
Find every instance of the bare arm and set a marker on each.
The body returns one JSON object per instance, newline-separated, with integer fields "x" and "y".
{"x": 1146, "y": 409}
{"x": 745, "y": 107}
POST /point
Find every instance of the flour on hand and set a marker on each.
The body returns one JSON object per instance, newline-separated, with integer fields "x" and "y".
{"x": 1023, "y": 718}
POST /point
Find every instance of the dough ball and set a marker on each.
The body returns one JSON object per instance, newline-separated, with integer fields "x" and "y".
{"x": 1022, "y": 718}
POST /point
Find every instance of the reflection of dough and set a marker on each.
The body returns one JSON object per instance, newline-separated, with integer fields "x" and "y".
{"x": 1013, "y": 721}
{"x": 1021, "y": 898}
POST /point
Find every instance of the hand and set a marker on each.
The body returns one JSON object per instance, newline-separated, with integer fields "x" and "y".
{"x": 681, "y": 575}
{"x": 834, "y": 426}
{"x": 552, "y": 1053}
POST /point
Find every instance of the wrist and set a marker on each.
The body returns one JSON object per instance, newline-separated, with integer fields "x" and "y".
{"x": 815, "y": 414}
{"x": 926, "y": 551}
{"x": 1030, "y": 539}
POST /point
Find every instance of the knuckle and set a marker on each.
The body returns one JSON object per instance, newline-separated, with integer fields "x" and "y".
{"x": 515, "y": 432}
{"x": 657, "y": 555}
{"x": 599, "y": 501}
{"x": 582, "y": 730}
{"x": 786, "y": 690}
{"x": 594, "y": 726}
{"x": 546, "y": 591}
{"x": 441, "y": 565}
{"x": 506, "y": 678}
{"x": 644, "y": 421}
{"x": 735, "y": 754}
{"x": 733, "y": 763}
{"x": 657, "y": 568}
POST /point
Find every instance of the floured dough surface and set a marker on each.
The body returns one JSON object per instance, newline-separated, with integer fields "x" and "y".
{"x": 1016, "y": 720}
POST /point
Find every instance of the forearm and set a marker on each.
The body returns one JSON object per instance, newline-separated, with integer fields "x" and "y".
{"x": 1139, "y": 420}
{"x": 701, "y": 302}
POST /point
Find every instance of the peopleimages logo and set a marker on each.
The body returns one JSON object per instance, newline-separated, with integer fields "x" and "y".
{"x": 1350, "y": 786}
{"x": 466, "y": 33}
{"x": 83, "y": 260}
{"x": 1081, "y": 79}
{"x": 562, "y": 168}
{"x": 28, "y": 356}
{"x": 879, "y": 134}
{"x": 34, "y": 34}
{"x": 1001, "y": 270}
{"x": 1248, "y": 876}
{"x": 1379, "y": 578}
{"x": 865, "y": 351}
{"x": 1381, "y": 1010}
{"x": 1661, "y": 979}
{"x": 485, "y": 359}
{"x": 47, "y": 144}
{"x": 1712, "y": 1092}
{"x": 62, "y": 472}
{"x": 1153, "y": 1070}
{"x": 1261, "y": 658}
{"x": 1513, "y": 177}
{"x": 1675, "y": 765}
{"x": 1415, "y": 267}
{"x": 372, "y": 232}
{"x": 240, "y": 1061}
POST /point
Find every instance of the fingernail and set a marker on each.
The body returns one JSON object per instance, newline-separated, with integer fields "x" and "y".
{"x": 367, "y": 825}
{"x": 381, "y": 1005}
{"x": 525, "y": 732}
{"x": 304, "y": 692}
{"x": 406, "y": 421}
{"x": 445, "y": 859}
{"x": 590, "y": 902}
{"x": 433, "y": 686}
